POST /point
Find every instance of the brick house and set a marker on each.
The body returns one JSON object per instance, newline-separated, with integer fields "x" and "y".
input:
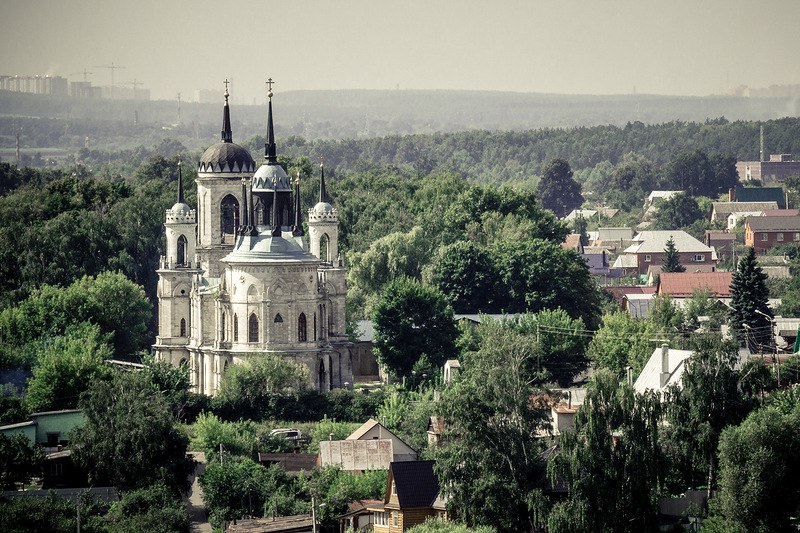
{"x": 762, "y": 233}
{"x": 647, "y": 252}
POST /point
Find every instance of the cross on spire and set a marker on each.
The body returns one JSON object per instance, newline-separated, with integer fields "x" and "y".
{"x": 226, "y": 82}
{"x": 269, "y": 87}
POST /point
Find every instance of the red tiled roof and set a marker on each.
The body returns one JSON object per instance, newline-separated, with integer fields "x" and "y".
{"x": 572, "y": 242}
{"x": 684, "y": 284}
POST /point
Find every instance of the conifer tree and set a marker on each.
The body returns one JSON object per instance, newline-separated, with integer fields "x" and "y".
{"x": 751, "y": 317}
{"x": 672, "y": 262}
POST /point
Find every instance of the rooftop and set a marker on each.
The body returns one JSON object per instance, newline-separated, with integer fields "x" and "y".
{"x": 656, "y": 242}
{"x": 415, "y": 482}
{"x": 684, "y": 284}
{"x": 774, "y": 223}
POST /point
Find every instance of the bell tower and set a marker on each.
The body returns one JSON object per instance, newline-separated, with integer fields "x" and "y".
{"x": 177, "y": 270}
{"x": 323, "y": 226}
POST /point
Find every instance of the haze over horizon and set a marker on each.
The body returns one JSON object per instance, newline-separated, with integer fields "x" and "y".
{"x": 683, "y": 47}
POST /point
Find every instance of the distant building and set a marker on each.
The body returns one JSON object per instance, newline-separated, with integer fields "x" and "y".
{"x": 758, "y": 194}
{"x": 680, "y": 285}
{"x": 762, "y": 233}
{"x": 49, "y": 85}
{"x": 722, "y": 241}
{"x": 412, "y": 496}
{"x": 776, "y": 170}
{"x": 647, "y": 251}
{"x": 664, "y": 368}
{"x": 722, "y": 211}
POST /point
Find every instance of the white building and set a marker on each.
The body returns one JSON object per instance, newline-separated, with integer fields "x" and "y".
{"x": 239, "y": 277}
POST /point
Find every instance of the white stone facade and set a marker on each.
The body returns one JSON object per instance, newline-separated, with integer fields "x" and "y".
{"x": 239, "y": 290}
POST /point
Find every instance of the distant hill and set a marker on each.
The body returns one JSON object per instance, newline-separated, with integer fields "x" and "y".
{"x": 365, "y": 113}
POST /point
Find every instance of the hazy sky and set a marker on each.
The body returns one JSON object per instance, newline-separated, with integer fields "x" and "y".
{"x": 685, "y": 47}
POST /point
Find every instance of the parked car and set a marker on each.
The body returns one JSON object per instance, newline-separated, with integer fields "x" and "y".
{"x": 287, "y": 433}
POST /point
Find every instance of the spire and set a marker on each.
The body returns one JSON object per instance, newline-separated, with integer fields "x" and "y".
{"x": 270, "y": 151}
{"x": 244, "y": 222}
{"x": 276, "y": 229}
{"x": 180, "y": 183}
{"x": 323, "y": 193}
{"x": 297, "y": 230}
{"x": 227, "y": 135}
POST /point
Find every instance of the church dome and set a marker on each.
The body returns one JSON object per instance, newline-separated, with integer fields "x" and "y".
{"x": 226, "y": 157}
{"x": 323, "y": 208}
{"x": 267, "y": 175}
{"x": 180, "y": 209}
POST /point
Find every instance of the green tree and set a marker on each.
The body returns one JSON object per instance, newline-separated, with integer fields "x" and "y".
{"x": 542, "y": 275}
{"x": 751, "y": 317}
{"x": 412, "y": 320}
{"x": 711, "y": 396}
{"x": 557, "y": 191}
{"x": 631, "y": 180}
{"x": 759, "y": 489}
{"x": 621, "y": 341}
{"x": 155, "y": 509}
{"x": 65, "y": 367}
{"x": 465, "y": 273}
{"x": 611, "y": 461}
{"x": 676, "y": 212}
{"x": 672, "y": 262}
{"x": 487, "y": 463}
{"x": 261, "y": 385}
{"x": 435, "y": 525}
{"x": 19, "y": 461}
{"x": 128, "y": 417}
{"x": 235, "y": 488}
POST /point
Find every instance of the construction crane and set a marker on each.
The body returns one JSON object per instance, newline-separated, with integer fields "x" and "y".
{"x": 85, "y": 74}
{"x": 134, "y": 84}
{"x": 112, "y": 68}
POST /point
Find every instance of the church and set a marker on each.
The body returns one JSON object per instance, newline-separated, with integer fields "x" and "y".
{"x": 240, "y": 277}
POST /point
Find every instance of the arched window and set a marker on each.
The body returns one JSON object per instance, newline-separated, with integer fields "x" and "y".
{"x": 235, "y": 328}
{"x": 229, "y": 215}
{"x": 321, "y": 376}
{"x": 315, "y": 326}
{"x": 258, "y": 213}
{"x": 222, "y": 326}
{"x": 330, "y": 372}
{"x": 182, "y": 250}
{"x": 252, "y": 328}
{"x": 183, "y": 362}
{"x": 278, "y": 318}
{"x": 324, "y": 243}
{"x": 302, "y": 334}
{"x": 183, "y": 328}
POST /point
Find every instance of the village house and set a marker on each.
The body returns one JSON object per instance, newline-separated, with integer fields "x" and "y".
{"x": 758, "y": 194}
{"x": 412, "y": 496}
{"x": 722, "y": 241}
{"x": 664, "y": 368}
{"x": 681, "y": 286}
{"x": 762, "y": 233}
{"x": 730, "y": 213}
{"x": 646, "y": 254}
{"x": 370, "y": 447}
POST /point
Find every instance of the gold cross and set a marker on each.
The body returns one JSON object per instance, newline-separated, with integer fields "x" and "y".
{"x": 226, "y": 84}
{"x": 269, "y": 84}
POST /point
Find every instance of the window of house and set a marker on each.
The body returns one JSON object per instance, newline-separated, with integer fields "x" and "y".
{"x": 52, "y": 439}
{"x": 394, "y": 489}
{"x": 252, "y": 328}
{"x": 780, "y": 236}
{"x": 302, "y": 331}
{"x": 395, "y": 517}
{"x": 764, "y": 237}
{"x": 796, "y": 237}
{"x": 647, "y": 258}
{"x": 699, "y": 258}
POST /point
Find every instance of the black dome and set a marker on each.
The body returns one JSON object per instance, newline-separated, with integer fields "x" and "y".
{"x": 226, "y": 157}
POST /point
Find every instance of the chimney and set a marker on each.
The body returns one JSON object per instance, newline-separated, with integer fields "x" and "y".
{"x": 732, "y": 194}
{"x": 664, "y": 364}
{"x": 569, "y": 399}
